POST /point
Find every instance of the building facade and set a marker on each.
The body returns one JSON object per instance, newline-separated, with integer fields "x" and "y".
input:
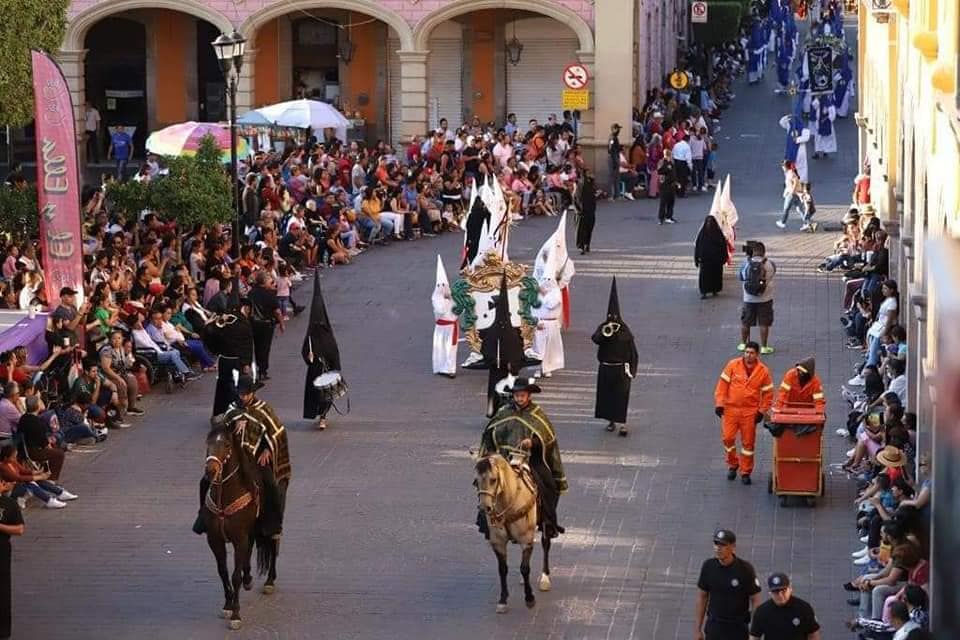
{"x": 909, "y": 118}
{"x": 402, "y": 65}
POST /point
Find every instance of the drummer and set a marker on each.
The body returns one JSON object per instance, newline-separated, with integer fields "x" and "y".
{"x": 801, "y": 386}
{"x": 321, "y": 354}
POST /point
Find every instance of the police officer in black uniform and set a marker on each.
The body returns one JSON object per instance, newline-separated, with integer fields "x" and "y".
{"x": 784, "y": 616}
{"x": 728, "y": 589}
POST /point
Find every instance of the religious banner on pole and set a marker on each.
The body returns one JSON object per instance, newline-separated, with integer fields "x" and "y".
{"x": 58, "y": 180}
{"x": 820, "y": 64}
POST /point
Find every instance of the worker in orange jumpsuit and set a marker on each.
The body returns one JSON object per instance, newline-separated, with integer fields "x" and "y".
{"x": 743, "y": 396}
{"x": 801, "y": 386}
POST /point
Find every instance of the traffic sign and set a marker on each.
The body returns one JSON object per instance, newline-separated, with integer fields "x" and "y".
{"x": 575, "y": 76}
{"x": 575, "y": 99}
{"x": 698, "y": 12}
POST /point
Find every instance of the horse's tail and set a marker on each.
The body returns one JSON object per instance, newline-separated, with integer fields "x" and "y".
{"x": 268, "y": 547}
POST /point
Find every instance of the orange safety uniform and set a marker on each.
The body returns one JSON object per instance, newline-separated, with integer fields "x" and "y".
{"x": 742, "y": 395}
{"x": 791, "y": 392}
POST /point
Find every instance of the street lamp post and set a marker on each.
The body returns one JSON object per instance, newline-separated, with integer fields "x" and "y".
{"x": 229, "y": 50}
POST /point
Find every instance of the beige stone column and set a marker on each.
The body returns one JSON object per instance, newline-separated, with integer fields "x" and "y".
{"x": 413, "y": 93}
{"x": 72, "y": 64}
{"x": 245, "y": 83}
{"x": 613, "y": 71}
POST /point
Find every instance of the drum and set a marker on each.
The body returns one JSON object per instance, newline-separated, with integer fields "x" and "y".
{"x": 330, "y": 385}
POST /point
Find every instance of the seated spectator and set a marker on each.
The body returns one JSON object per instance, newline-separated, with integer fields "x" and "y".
{"x": 38, "y": 440}
{"x": 178, "y": 331}
{"x": 117, "y": 366}
{"x": 9, "y": 410}
{"x": 102, "y": 394}
{"x": 81, "y": 422}
{"x": 165, "y": 354}
{"x": 36, "y": 483}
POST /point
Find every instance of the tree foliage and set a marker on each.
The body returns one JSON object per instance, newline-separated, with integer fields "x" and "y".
{"x": 25, "y": 25}
{"x": 196, "y": 189}
{"x": 19, "y": 219}
{"x": 723, "y": 23}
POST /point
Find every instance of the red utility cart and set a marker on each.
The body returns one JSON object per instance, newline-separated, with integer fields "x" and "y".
{"x": 798, "y": 459}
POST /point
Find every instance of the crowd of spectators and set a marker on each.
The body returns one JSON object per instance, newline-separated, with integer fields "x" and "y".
{"x": 893, "y": 482}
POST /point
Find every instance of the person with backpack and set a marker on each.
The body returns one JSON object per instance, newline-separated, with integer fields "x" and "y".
{"x": 757, "y": 273}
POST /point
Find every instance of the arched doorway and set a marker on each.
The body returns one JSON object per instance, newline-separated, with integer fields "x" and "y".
{"x": 329, "y": 54}
{"x": 148, "y": 68}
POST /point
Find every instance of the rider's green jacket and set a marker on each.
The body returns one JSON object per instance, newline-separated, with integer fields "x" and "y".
{"x": 511, "y": 425}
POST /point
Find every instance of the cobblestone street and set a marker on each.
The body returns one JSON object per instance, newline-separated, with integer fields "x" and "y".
{"x": 379, "y": 541}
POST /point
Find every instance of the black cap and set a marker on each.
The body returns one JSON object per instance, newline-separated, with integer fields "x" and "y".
{"x": 246, "y": 385}
{"x": 778, "y": 581}
{"x": 724, "y": 536}
{"x": 67, "y": 291}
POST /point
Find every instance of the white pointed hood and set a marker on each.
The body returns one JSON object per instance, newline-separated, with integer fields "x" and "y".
{"x": 442, "y": 282}
{"x": 563, "y": 265}
{"x": 727, "y": 208}
{"x": 442, "y": 299}
{"x": 484, "y": 245}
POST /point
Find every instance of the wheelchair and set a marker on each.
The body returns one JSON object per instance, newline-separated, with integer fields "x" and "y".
{"x": 157, "y": 372}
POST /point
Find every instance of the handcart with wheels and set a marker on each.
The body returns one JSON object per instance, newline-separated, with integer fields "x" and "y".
{"x": 797, "y": 453}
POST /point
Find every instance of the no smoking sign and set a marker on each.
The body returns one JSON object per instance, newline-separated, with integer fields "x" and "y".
{"x": 698, "y": 12}
{"x": 575, "y": 76}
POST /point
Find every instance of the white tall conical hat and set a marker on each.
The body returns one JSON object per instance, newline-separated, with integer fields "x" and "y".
{"x": 540, "y": 262}
{"x": 715, "y": 206}
{"x": 563, "y": 265}
{"x": 484, "y": 244}
{"x": 442, "y": 281}
{"x": 726, "y": 204}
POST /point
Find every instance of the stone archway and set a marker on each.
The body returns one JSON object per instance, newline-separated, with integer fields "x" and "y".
{"x": 421, "y": 33}
{"x": 367, "y": 7}
{"x": 80, "y": 24}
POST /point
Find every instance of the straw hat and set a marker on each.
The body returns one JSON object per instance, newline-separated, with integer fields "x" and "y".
{"x": 890, "y": 456}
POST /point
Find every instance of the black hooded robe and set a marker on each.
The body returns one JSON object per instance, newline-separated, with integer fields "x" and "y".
{"x": 502, "y": 349}
{"x": 614, "y": 353}
{"x": 321, "y": 342}
{"x": 710, "y": 255}
{"x": 588, "y": 214}
{"x": 477, "y": 215}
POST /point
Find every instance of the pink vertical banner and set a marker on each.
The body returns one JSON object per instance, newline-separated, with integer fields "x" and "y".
{"x": 58, "y": 180}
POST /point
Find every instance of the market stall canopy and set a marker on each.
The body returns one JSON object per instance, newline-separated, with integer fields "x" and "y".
{"x": 301, "y": 114}
{"x": 184, "y": 140}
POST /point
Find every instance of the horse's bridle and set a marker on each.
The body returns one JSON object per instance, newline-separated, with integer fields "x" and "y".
{"x": 216, "y": 506}
{"x": 501, "y": 517}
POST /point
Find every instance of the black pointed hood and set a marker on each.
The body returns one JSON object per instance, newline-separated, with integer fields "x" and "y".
{"x": 319, "y": 339}
{"x": 613, "y": 305}
{"x": 318, "y": 309}
{"x": 502, "y": 344}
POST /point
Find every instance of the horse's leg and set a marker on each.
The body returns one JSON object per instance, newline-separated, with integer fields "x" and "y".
{"x": 241, "y": 551}
{"x": 219, "y": 547}
{"x": 525, "y": 572}
{"x": 247, "y": 574}
{"x": 500, "y": 549}
{"x": 545, "y": 576}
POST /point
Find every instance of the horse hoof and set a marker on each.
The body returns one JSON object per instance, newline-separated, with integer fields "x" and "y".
{"x": 226, "y": 613}
{"x": 501, "y": 608}
{"x": 234, "y": 625}
{"x": 531, "y": 602}
{"x": 544, "y": 584}
{"x": 268, "y": 589}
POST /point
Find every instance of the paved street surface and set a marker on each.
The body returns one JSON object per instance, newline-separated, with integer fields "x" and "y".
{"x": 379, "y": 540}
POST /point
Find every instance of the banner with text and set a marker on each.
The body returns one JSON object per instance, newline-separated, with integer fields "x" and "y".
{"x": 58, "y": 180}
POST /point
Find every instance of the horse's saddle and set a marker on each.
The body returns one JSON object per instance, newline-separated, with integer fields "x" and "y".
{"x": 525, "y": 473}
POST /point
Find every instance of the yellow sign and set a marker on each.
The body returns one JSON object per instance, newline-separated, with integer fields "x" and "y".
{"x": 575, "y": 99}
{"x": 679, "y": 80}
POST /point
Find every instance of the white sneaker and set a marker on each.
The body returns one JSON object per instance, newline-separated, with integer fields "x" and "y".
{"x": 66, "y": 496}
{"x": 851, "y": 452}
{"x": 804, "y": 227}
{"x": 864, "y": 539}
{"x": 860, "y": 553}
{"x": 843, "y": 433}
{"x": 671, "y": 221}
{"x": 861, "y": 562}
{"x": 122, "y": 425}
{"x": 856, "y": 381}
{"x": 53, "y": 503}
{"x": 628, "y": 196}
{"x": 781, "y": 224}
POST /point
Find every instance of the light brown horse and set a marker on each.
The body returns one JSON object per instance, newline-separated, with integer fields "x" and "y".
{"x": 508, "y": 499}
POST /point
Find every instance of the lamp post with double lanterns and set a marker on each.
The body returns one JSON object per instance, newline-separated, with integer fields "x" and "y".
{"x": 229, "y": 50}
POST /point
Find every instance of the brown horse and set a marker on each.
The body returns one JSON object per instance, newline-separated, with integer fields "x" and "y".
{"x": 230, "y": 513}
{"x": 508, "y": 498}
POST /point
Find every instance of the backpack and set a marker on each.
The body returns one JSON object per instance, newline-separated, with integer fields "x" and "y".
{"x": 755, "y": 282}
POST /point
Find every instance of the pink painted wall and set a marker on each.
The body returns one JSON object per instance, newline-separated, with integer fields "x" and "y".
{"x": 413, "y": 11}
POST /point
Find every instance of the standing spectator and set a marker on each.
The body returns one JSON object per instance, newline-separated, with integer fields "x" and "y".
{"x": 792, "y": 189}
{"x": 251, "y": 203}
{"x": 698, "y": 154}
{"x": 613, "y": 160}
{"x": 757, "y": 273}
{"x": 91, "y": 128}
{"x": 727, "y": 589}
{"x": 121, "y": 148}
{"x": 783, "y": 616}
{"x": 265, "y": 317}
{"x": 667, "y": 176}
{"x": 683, "y": 160}
{"x": 11, "y": 524}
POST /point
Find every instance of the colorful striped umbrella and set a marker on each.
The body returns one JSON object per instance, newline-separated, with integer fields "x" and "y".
{"x": 184, "y": 140}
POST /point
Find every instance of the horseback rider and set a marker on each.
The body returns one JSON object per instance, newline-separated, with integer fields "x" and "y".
{"x": 263, "y": 437}
{"x": 520, "y": 420}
